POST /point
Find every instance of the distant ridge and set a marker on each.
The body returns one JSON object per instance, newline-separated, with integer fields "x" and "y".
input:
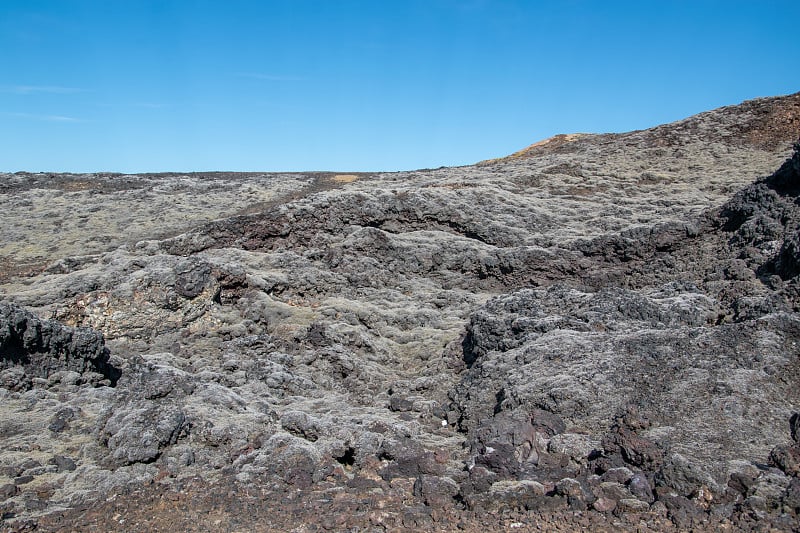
{"x": 769, "y": 124}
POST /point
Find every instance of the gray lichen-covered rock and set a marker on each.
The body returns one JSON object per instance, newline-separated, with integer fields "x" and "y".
{"x": 147, "y": 415}
{"x": 600, "y": 323}
{"x": 139, "y": 436}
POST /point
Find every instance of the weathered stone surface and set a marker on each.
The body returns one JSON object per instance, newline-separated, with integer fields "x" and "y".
{"x": 408, "y": 459}
{"x": 435, "y": 491}
{"x": 63, "y": 464}
{"x": 787, "y": 458}
{"x": 631, "y": 505}
{"x": 509, "y": 495}
{"x": 191, "y": 278}
{"x": 604, "y": 504}
{"x": 640, "y": 487}
{"x": 681, "y": 475}
{"x": 8, "y": 490}
{"x": 618, "y": 475}
{"x": 41, "y": 348}
{"x": 605, "y": 324}
{"x": 140, "y": 436}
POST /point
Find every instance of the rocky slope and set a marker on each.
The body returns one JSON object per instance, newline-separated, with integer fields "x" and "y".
{"x": 598, "y": 331}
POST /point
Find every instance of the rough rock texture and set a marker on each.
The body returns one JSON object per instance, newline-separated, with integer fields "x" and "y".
{"x": 598, "y": 332}
{"x": 37, "y": 352}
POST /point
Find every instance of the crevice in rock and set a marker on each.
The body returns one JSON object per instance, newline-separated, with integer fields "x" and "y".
{"x": 348, "y": 458}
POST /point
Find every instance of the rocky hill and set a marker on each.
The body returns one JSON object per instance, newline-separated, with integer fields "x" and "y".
{"x": 599, "y": 331}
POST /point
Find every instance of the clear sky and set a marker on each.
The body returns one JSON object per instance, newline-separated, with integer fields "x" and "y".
{"x": 182, "y": 85}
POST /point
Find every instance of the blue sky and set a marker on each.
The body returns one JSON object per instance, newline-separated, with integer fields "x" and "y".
{"x": 146, "y": 85}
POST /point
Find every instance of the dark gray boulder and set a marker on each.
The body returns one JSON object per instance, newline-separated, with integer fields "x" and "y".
{"x": 146, "y": 416}
{"x": 41, "y": 348}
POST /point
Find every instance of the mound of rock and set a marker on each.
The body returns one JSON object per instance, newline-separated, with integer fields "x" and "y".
{"x": 601, "y": 331}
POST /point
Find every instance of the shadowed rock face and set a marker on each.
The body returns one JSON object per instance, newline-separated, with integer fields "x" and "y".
{"x": 35, "y": 352}
{"x": 599, "y": 323}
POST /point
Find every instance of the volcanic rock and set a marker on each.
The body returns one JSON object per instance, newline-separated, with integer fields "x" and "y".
{"x": 605, "y": 324}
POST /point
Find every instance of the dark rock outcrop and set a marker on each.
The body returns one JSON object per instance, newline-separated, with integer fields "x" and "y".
{"x": 41, "y": 348}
